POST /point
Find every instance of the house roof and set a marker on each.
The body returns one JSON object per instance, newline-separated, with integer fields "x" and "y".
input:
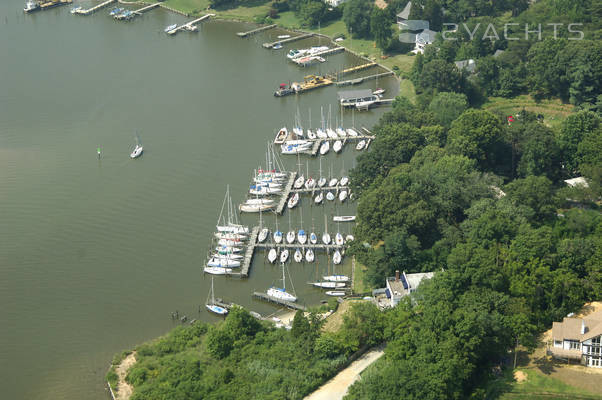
{"x": 570, "y": 328}
{"x": 405, "y": 13}
{"x": 470, "y": 65}
{"x": 427, "y": 36}
{"x": 354, "y": 94}
{"x": 579, "y": 181}
{"x": 415, "y": 279}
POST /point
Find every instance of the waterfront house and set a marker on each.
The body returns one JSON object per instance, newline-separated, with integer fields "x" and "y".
{"x": 402, "y": 285}
{"x": 403, "y": 16}
{"x": 578, "y": 339}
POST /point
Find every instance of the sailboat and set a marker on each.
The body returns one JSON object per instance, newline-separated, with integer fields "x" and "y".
{"x": 272, "y": 255}
{"x": 228, "y": 222}
{"x": 263, "y": 235}
{"x": 309, "y": 255}
{"x": 297, "y": 129}
{"x": 337, "y": 146}
{"x": 330, "y": 196}
{"x": 325, "y": 235}
{"x": 324, "y": 147}
{"x": 360, "y": 145}
{"x": 137, "y": 152}
{"x": 211, "y": 306}
{"x": 338, "y": 239}
{"x": 344, "y": 181}
{"x": 322, "y": 180}
{"x": 281, "y": 293}
{"x": 352, "y": 132}
{"x": 313, "y": 238}
{"x": 336, "y": 257}
{"x": 319, "y": 198}
{"x": 290, "y": 235}
{"x": 294, "y": 200}
{"x": 342, "y": 195}
{"x": 284, "y": 255}
{"x": 301, "y": 235}
{"x": 298, "y": 256}
{"x": 277, "y": 235}
{"x": 327, "y": 284}
{"x": 217, "y": 270}
{"x": 299, "y": 182}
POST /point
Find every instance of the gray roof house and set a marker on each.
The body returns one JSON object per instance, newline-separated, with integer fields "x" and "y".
{"x": 578, "y": 339}
{"x": 404, "y": 15}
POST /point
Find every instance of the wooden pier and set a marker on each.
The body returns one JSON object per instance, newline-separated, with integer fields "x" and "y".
{"x": 286, "y": 193}
{"x": 246, "y": 264}
{"x": 190, "y": 24}
{"x": 254, "y": 31}
{"x": 317, "y": 189}
{"x": 357, "y": 68}
{"x": 363, "y": 79}
{"x": 334, "y": 50}
{"x": 291, "y": 39}
{"x": 95, "y": 8}
{"x": 146, "y": 8}
{"x": 293, "y": 306}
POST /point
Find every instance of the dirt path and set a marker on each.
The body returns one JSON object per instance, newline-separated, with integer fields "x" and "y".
{"x": 336, "y": 388}
{"x": 124, "y": 389}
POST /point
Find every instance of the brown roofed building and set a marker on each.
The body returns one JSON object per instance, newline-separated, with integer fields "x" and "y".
{"x": 579, "y": 338}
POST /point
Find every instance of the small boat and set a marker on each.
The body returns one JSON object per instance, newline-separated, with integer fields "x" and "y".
{"x": 337, "y": 146}
{"x": 252, "y": 202}
{"x": 378, "y": 91}
{"x": 352, "y": 132}
{"x": 272, "y": 255}
{"x": 331, "y": 134}
{"x": 321, "y": 182}
{"x": 284, "y": 255}
{"x": 76, "y": 10}
{"x": 310, "y": 183}
{"x": 302, "y": 236}
{"x": 298, "y": 131}
{"x": 217, "y": 270}
{"x": 230, "y": 236}
{"x": 311, "y": 134}
{"x": 137, "y": 152}
{"x": 222, "y": 263}
{"x": 336, "y": 258}
{"x": 330, "y": 196}
{"x": 227, "y": 256}
{"x": 299, "y": 182}
{"x": 211, "y": 306}
{"x": 326, "y": 238}
{"x": 229, "y": 243}
{"x": 341, "y": 132}
{"x": 261, "y": 190}
{"x": 281, "y": 294}
{"x": 281, "y": 136}
{"x": 116, "y": 11}
{"x": 360, "y": 145}
{"x": 255, "y": 207}
{"x": 333, "y": 182}
{"x": 293, "y": 201}
{"x": 319, "y": 198}
{"x": 234, "y": 228}
{"x": 313, "y": 238}
{"x": 309, "y": 255}
{"x": 338, "y": 239}
{"x": 170, "y": 28}
{"x": 344, "y": 181}
{"x": 336, "y": 278}
{"x": 343, "y": 218}
{"x": 321, "y": 134}
{"x": 263, "y": 235}
{"x": 277, "y": 46}
{"x": 334, "y": 293}
{"x": 227, "y": 250}
{"x": 191, "y": 28}
{"x": 342, "y": 195}
{"x": 349, "y": 238}
{"x": 284, "y": 36}
{"x": 328, "y": 285}
{"x": 324, "y": 147}
{"x": 290, "y": 236}
{"x": 298, "y": 256}
{"x": 31, "y": 6}
{"x": 277, "y": 237}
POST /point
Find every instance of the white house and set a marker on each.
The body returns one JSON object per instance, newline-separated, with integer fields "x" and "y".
{"x": 579, "y": 339}
{"x": 402, "y": 285}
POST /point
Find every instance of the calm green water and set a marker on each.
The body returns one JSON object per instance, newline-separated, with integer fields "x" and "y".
{"x": 95, "y": 255}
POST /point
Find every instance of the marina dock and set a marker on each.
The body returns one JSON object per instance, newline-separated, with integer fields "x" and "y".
{"x": 356, "y": 68}
{"x": 292, "y": 246}
{"x": 293, "y": 306}
{"x": 189, "y": 25}
{"x": 254, "y": 31}
{"x": 49, "y": 4}
{"x": 96, "y": 8}
{"x": 146, "y": 8}
{"x": 286, "y": 193}
{"x": 291, "y": 39}
{"x": 246, "y": 264}
{"x": 363, "y": 79}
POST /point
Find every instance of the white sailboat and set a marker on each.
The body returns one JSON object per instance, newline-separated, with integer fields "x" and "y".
{"x": 290, "y": 237}
{"x": 263, "y": 235}
{"x": 223, "y": 250}
{"x": 319, "y": 198}
{"x": 217, "y": 270}
{"x": 360, "y": 145}
{"x": 302, "y": 236}
{"x": 313, "y": 238}
{"x": 298, "y": 256}
{"x": 299, "y": 182}
{"x": 342, "y": 195}
{"x": 334, "y": 293}
{"x": 293, "y": 201}
{"x": 223, "y": 263}
{"x": 352, "y": 132}
{"x": 227, "y": 256}
{"x": 325, "y": 235}
{"x": 341, "y": 132}
{"x": 310, "y": 183}
{"x": 324, "y": 147}
{"x": 336, "y": 258}
{"x": 337, "y": 146}
{"x": 137, "y": 152}
{"x": 344, "y": 181}
{"x": 309, "y": 255}
{"x": 338, "y": 239}
{"x": 253, "y": 208}
{"x": 272, "y": 255}
{"x": 330, "y": 196}
{"x": 284, "y": 255}
{"x": 277, "y": 235}
{"x": 281, "y": 293}
{"x": 343, "y": 218}
{"x": 211, "y": 306}
{"x": 333, "y": 182}
{"x": 349, "y": 238}
{"x": 230, "y": 236}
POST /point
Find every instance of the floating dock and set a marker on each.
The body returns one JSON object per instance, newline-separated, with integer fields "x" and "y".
{"x": 363, "y": 79}
{"x": 286, "y": 193}
{"x": 317, "y": 246}
{"x": 357, "y": 68}
{"x": 95, "y": 8}
{"x": 293, "y": 306}
{"x": 246, "y": 264}
{"x": 318, "y": 189}
{"x": 291, "y": 39}
{"x": 189, "y": 25}
{"x": 254, "y": 31}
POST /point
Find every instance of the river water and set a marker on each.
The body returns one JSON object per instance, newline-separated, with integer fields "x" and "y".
{"x": 95, "y": 255}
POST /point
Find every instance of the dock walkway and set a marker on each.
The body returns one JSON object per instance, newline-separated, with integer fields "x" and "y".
{"x": 95, "y": 8}
{"x": 254, "y": 31}
{"x": 246, "y": 264}
{"x": 288, "y": 304}
{"x": 317, "y": 189}
{"x": 190, "y": 24}
{"x": 363, "y": 79}
{"x": 291, "y": 39}
{"x": 146, "y": 8}
{"x": 286, "y": 193}
{"x": 283, "y": 245}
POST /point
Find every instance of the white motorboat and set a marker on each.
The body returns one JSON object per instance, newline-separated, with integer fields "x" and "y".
{"x": 310, "y": 183}
{"x": 333, "y": 182}
{"x": 321, "y": 182}
{"x": 302, "y": 236}
{"x": 319, "y": 198}
{"x": 272, "y": 255}
{"x": 290, "y": 236}
{"x": 298, "y": 256}
{"x": 344, "y": 181}
{"x": 259, "y": 190}
{"x": 284, "y": 255}
{"x": 230, "y": 243}
{"x": 338, "y": 239}
{"x": 329, "y": 285}
{"x": 330, "y": 196}
{"x": 137, "y": 152}
{"x": 324, "y": 147}
{"x": 352, "y": 132}
{"x": 217, "y": 270}
{"x": 230, "y": 236}
{"x": 277, "y": 237}
{"x": 262, "y": 201}
{"x": 281, "y": 294}
{"x": 334, "y": 293}
{"x": 263, "y": 235}
{"x": 227, "y": 250}
{"x": 342, "y": 195}
{"x": 277, "y": 46}
{"x": 349, "y": 238}
{"x": 343, "y": 218}
{"x": 325, "y": 238}
{"x": 337, "y": 146}
{"x": 227, "y": 256}
{"x": 336, "y": 278}
{"x": 255, "y": 207}
{"x": 281, "y": 135}
{"x": 321, "y": 134}
{"x": 31, "y": 6}
{"x": 313, "y": 238}
{"x": 293, "y": 201}
{"x": 223, "y": 263}
{"x": 341, "y": 132}
{"x": 360, "y": 145}
{"x": 336, "y": 258}
{"x": 311, "y": 134}
{"x": 378, "y": 91}
{"x": 331, "y": 134}
{"x": 309, "y": 255}
{"x": 299, "y": 182}
{"x": 170, "y": 28}
{"x": 234, "y": 228}
{"x": 284, "y": 36}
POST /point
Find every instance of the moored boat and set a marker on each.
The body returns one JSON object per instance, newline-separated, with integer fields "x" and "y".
{"x": 263, "y": 235}
{"x": 293, "y": 201}
{"x": 342, "y": 195}
{"x": 334, "y": 293}
{"x": 298, "y": 256}
{"x": 343, "y": 218}
{"x": 319, "y": 198}
{"x": 336, "y": 278}
{"x": 330, "y": 196}
{"x": 272, "y": 255}
{"x": 337, "y": 146}
{"x": 284, "y": 255}
{"x": 352, "y": 132}
{"x": 309, "y": 255}
{"x": 325, "y": 238}
{"x": 170, "y": 28}
{"x": 360, "y": 145}
{"x": 290, "y": 236}
{"x": 324, "y": 147}
{"x": 336, "y": 258}
{"x": 281, "y": 136}
{"x": 302, "y": 236}
{"x": 217, "y": 270}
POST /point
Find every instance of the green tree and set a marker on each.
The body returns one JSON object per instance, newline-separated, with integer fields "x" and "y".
{"x": 311, "y": 13}
{"x": 447, "y": 106}
{"x": 356, "y": 16}
{"x": 380, "y": 27}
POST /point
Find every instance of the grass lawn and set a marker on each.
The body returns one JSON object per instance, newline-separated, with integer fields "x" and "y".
{"x": 407, "y": 90}
{"x": 554, "y": 111}
{"x": 188, "y": 6}
{"x": 358, "y": 284}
